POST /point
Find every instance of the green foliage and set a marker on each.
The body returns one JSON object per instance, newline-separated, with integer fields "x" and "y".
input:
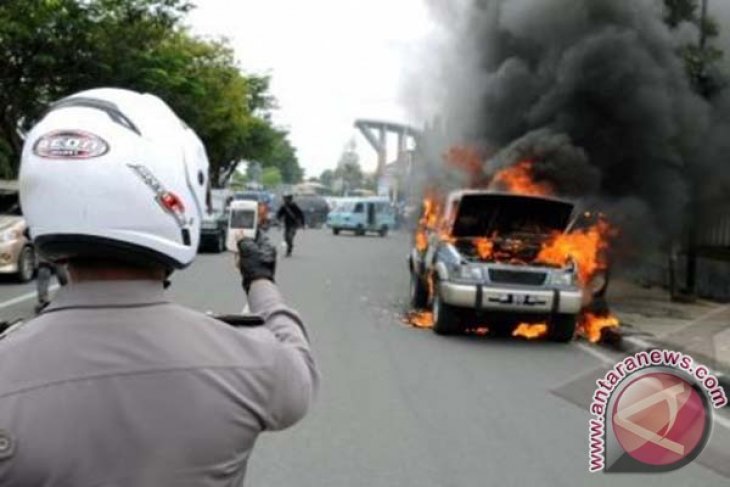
{"x": 283, "y": 156}
{"x": 52, "y": 48}
{"x": 699, "y": 60}
{"x": 238, "y": 180}
{"x": 678, "y": 11}
{"x": 271, "y": 177}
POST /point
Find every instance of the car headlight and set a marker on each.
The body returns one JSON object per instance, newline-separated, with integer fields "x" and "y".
{"x": 9, "y": 235}
{"x": 565, "y": 278}
{"x": 470, "y": 273}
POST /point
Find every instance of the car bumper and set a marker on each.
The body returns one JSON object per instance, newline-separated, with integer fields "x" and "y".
{"x": 9, "y": 253}
{"x": 210, "y": 231}
{"x": 491, "y": 298}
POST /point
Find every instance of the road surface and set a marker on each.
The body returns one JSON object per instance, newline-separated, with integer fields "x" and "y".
{"x": 403, "y": 407}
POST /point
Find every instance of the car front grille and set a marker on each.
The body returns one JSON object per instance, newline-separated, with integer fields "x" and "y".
{"x": 504, "y": 276}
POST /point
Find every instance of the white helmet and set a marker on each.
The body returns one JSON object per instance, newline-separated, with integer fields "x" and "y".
{"x": 110, "y": 173}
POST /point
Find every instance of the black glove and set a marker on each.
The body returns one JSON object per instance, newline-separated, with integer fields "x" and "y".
{"x": 257, "y": 260}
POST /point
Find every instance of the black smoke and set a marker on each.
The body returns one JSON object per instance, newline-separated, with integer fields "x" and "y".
{"x": 597, "y": 94}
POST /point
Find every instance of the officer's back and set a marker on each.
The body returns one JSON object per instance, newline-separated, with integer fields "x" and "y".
{"x": 125, "y": 386}
{"x": 112, "y": 385}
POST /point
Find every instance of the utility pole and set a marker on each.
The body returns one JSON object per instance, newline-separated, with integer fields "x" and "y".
{"x": 693, "y": 226}
{"x": 703, "y": 26}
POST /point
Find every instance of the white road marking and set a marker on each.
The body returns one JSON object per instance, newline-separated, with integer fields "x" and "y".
{"x": 24, "y": 297}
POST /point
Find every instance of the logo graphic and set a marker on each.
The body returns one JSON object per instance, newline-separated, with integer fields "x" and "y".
{"x": 661, "y": 419}
{"x": 168, "y": 201}
{"x": 652, "y": 412}
{"x": 70, "y": 144}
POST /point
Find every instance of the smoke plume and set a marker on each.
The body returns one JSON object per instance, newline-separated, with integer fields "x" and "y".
{"x": 596, "y": 93}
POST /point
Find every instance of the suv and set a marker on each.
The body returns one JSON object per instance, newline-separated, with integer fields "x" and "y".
{"x": 480, "y": 268}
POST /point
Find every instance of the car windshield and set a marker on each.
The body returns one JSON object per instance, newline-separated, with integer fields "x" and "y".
{"x": 345, "y": 207}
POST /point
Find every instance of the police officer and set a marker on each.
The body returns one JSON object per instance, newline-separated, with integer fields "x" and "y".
{"x": 113, "y": 384}
{"x": 293, "y": 218}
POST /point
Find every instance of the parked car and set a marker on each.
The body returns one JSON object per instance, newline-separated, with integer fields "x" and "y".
{"x": 214, "y": 228}
{"x": 362, "y": 215}
{"x": 315, "y": 209}
{"x": 468, "y": 286}
{"x": 17, "y": 255}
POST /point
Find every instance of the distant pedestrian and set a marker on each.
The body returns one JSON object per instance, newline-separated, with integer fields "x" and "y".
{"x": 293, "y": 218}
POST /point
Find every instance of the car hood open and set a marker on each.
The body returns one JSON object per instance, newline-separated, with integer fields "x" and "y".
{"x": 487, "y": 214}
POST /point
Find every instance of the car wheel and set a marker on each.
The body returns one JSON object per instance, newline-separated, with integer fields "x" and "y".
{"x": 562, "y": 328}
{"x": 360, "y": 231}
{"x": 220, "y": 243}
{"x": 383, "y": 231}
{"x": 335, "y": 231}
{"x": 26, "y": 264}
{"x": 419, "y": 292}
{"x": 446, "y": 319}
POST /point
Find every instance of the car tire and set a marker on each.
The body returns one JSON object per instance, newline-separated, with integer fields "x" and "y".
{"x": 562, "y": 328}
{"x": 446, "y": 319}
{"x": 335, "y": 231}
{"x": 383, "y": 232}
{"x": 360, "y": 231}
{"x": 26, "y": 264}
{"x": 220, "y": 243}
{"x": 419, "y": 292}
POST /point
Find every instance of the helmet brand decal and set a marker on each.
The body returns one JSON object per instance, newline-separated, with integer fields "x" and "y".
{"x": 168, "y": 201}
{"x": 70, "y": 144}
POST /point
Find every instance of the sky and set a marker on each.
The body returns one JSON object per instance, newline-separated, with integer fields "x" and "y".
{"x": 331, "y": 62}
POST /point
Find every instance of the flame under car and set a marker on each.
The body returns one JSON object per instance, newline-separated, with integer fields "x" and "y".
{"x": 480, "y": 265}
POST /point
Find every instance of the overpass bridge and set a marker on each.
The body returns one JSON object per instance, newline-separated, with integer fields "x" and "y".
{"x": 376, "y": 132}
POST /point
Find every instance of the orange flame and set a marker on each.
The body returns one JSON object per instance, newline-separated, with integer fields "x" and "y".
{"x": 485, "y": 248}
{"x": 592, "y": 326}
{"x": 519, "y": 179}
{"x": 531, "y": 331}
{"x": 420, "y": 319}
{"x": 469, "y": 161}
{"x": 586, "y": 247}
{"x": 429, "y": 221}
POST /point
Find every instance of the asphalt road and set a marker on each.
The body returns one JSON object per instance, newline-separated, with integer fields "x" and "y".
{"x": 403, "y": 407}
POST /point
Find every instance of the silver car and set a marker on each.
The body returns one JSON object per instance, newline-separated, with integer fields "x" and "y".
{"x": 478, "y": 268}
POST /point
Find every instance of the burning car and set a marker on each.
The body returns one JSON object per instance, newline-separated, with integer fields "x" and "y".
{"x": 497, "y": 260}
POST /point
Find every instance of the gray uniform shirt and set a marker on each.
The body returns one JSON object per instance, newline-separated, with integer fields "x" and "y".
{"x": 115, "y": 386}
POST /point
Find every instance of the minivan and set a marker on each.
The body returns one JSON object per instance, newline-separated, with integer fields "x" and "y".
{"x": 362, "y": 215}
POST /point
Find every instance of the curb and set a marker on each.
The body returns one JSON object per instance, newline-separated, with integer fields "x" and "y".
{"x": 630, "y": 342}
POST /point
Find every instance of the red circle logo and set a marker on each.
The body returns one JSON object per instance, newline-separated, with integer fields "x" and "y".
{"x": 660, "y": 419}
